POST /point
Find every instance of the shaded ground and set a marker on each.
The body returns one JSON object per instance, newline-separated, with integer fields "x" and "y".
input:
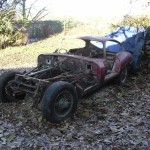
{"x": 112, "y": 117}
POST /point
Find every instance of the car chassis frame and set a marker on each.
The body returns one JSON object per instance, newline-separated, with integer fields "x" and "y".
{"x": 84, "y": 73}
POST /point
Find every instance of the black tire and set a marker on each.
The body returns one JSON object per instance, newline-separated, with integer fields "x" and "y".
{"x": 122, "y": 77}
{"x": 136, "y": 68}
{"x": 6, "y": 94}
{"x": 54, "y": 108}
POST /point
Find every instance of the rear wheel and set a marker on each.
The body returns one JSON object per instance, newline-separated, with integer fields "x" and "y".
{"x": 136, "y": 67}
{"x": 6, "y": 92}
{"x": 122, "y": 77}
{"x": 59, "y": 102}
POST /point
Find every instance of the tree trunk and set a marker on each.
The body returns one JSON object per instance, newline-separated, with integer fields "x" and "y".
{"x": 24, "y": 9}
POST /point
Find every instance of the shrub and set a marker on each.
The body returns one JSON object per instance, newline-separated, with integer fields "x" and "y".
{"x": 128, "y": 20}
{"x": 8, "y": 32}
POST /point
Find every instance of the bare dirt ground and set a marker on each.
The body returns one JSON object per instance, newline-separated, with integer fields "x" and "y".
{"x": 111, "y": 118}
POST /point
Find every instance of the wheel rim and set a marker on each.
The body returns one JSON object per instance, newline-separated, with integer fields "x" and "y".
{"x": 63, "y": 103}
{"x": 9, "y": 91}
{"x": 124, "y": 74}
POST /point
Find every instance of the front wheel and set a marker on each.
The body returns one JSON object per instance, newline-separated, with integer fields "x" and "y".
{"x": 59, "y": 102}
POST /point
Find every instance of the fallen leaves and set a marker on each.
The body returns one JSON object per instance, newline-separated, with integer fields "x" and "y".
{"x": 112, "y": 118}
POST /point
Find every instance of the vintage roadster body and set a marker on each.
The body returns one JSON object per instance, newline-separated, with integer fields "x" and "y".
{"x": 60, "y": 79}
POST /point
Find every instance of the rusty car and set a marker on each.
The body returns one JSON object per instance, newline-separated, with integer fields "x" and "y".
{"x": 62, "y": 77}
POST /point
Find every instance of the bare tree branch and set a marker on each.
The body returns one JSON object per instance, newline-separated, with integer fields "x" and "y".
{"x": 39, "y": 13}
{"x": 21, "y": 7}
{"x": 29, "y": 11}
{"x": 2, "y": 2}
{"x": 42, "y": 16}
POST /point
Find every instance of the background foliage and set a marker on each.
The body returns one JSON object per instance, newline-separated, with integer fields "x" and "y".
{"x": 14, "y": 27}
{"x": 143, "y": 20}
{"x": 8, "y": 32}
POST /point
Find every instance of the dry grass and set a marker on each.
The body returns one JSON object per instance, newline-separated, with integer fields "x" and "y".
{"x": 25, "y": 56}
